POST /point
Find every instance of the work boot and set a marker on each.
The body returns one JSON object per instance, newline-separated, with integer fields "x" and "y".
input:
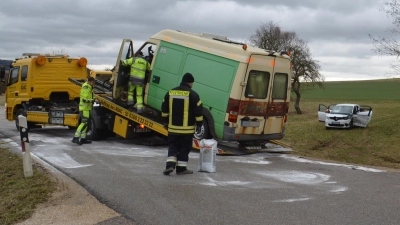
{"x": 76, "y": 141}
{"x": 85, "y": 141}
{"x": 180, "y": 170}
{"x": 168, "y": 170}
{"x": 186, "y": 171}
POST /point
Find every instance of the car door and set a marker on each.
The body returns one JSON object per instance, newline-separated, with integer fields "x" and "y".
{"x": 322, "y": 110}
{"x": 362, "y": 116}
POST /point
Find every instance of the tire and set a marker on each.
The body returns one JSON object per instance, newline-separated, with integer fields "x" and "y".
{"x": 94, "y": 133}
{"x": 205, "y": 131}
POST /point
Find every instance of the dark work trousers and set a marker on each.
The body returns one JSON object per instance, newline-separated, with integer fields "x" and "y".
{"x": 179, "y": 146}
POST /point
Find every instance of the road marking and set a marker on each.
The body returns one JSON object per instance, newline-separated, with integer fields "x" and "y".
{"x": 362, "y": 168}
{"x": 293, "y": 200}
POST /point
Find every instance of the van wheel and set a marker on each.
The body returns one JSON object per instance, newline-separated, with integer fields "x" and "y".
{"x": 204, "y": 133}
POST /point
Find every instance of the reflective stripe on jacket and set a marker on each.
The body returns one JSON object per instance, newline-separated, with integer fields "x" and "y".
{"x": 138, "y": 67}
{"x": 86, "y": 101}
{"x": 182, "y": 109}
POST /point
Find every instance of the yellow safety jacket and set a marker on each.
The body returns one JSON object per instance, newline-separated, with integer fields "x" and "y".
{"x": 86, "y": 102}
{"x": 138, "y": 68}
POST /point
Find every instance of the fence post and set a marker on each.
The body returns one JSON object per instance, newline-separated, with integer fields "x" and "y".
{"x": 26, "y": 154}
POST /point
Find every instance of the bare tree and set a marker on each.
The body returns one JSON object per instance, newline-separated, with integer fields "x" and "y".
{"x": 305, "y": 68}
{"x": 389, "y": 45}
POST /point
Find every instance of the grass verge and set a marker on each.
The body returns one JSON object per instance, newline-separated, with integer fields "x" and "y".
{"x": 20, "y": 195}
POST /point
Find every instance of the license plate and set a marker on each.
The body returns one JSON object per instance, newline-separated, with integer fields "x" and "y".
{"x": 335, "y": 122}
{"x": 142, "y": 130}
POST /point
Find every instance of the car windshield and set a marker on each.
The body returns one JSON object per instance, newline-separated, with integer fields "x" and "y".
{"x": 340, "y": 109}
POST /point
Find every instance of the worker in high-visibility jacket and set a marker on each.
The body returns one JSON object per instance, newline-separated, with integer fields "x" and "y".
{"x": 139, "y": 66}
{"x": 85, "y": 106}
{"x": 182, "y": 111}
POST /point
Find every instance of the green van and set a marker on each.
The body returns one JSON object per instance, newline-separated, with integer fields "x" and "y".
{"x": 244, "y": 89}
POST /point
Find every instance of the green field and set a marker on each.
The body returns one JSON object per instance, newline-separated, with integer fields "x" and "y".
{"x": 375, "y": 145}
{"x": 386, "y": 89}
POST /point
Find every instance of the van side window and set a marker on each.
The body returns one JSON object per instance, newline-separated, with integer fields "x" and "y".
{"x": 280, "y": 86}
{"x": 257, "y": 84}
{"x": 24, "y": 73}
{"x": 14, "y": 75}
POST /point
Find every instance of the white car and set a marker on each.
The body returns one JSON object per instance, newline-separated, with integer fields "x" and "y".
{"x": 344, "y": 115}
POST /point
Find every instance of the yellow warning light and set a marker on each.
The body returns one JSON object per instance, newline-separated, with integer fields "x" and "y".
{"x": 141, "y": 126}
{"x": 40, "y": 60}
{"x": 82, "y": 62}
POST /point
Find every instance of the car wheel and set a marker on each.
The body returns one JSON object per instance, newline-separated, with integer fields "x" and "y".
{"x": 351, "y": 125}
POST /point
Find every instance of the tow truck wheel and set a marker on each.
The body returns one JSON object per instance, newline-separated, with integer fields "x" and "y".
{"x": 93, "y": 133}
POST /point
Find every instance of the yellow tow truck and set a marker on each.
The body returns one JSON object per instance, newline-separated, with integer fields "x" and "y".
{"x": 38, "y": 88}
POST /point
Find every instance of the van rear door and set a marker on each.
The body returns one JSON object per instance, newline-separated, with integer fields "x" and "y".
{"x": 264, "y": 102}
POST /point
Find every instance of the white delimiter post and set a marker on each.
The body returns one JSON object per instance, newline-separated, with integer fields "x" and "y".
{"x": 26, "y": 154}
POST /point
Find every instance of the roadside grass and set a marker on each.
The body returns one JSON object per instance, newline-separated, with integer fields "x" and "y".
{"x": 20, "y": 195}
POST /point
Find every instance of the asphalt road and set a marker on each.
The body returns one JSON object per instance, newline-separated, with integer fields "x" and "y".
{"x": 262, "y": 188}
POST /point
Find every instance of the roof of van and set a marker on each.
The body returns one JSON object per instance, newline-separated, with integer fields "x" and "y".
{"x": 214, "y": 44}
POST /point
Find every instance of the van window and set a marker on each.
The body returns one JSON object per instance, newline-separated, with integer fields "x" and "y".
{"x": 24, "y": 73}
{"x": 257, "y": 84}
{"x": 280, "y": 86}
{"x": 14, "y": 75}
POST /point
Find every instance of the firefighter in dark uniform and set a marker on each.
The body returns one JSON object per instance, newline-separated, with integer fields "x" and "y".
{"x": 183, "y": 113}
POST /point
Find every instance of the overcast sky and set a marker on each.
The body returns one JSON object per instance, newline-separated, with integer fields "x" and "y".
{"x": 335, "y": 30}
